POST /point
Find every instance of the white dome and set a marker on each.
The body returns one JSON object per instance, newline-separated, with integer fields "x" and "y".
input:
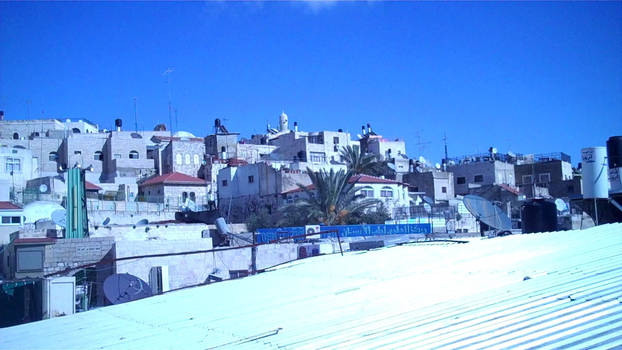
{"x": 183, "y": 134}
{"x": 40, "y": 210}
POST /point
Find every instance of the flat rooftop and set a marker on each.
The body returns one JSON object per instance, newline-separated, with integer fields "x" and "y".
{"x": 546, "y": 290}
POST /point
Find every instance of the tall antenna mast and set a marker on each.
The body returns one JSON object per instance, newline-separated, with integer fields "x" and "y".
{"x": 135, "y": 115}
{"x": 166, "y": 73}
{"x": 446, "y": 157}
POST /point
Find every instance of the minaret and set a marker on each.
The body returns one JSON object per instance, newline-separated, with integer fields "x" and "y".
{"x": 283, "y": 122}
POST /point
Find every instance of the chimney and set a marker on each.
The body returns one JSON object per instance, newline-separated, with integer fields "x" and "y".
{"x": 1, "y": 115}
{"x": 296, "y": 126}
{"x": 118, "y": 123}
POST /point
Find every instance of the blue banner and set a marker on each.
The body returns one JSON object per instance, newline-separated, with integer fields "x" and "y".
{"x": 265, "y": 235}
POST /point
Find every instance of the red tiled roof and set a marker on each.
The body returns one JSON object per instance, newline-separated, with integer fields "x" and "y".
{"x": 9, "y": 206}
{"x": 509, "y": 189}
{"x": 174, "y": 179}
{"x": 44, "y": 240}
{"x": 91, "y": 186}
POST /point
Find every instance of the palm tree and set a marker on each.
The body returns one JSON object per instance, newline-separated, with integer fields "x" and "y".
{"x": 359, "y": 163}
{"x": 329, "y": 200}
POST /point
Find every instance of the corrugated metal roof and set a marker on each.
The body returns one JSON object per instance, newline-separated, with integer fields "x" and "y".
{"x": 548, "y": 290}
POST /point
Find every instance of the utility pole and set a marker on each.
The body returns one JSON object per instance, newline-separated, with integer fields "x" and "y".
{"x": 135, "y": 115}
{"x": 167, "y": 73}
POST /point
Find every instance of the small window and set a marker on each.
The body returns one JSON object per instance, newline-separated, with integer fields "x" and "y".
{"x": 178, "y": 159}
{"x": 336, "y": 140}
{"x": 53, "y": 156}
{"x": 444, "y": 189}
{"x": 527, "y": 179}
{"x": 461, "y": 180}
{"x": 223, "y": 149}
{"x": 224, "y": 182}
{"x": 13, "y": 165}
{"x": 544, "y": 178}
{"x": 15, "y": 220}
{"x": 98, "y": 156}
{"x": 386, "y": 192}
{"x": 6, "y": 219}
{"x": 75, "y": 130}
{"x": 251, "y": 179}
{"x": 478, "y": 178}
{"x": 77, "y": 152}
{"x": 187, "y": 159}
{"x": 15, "y": 136}
{"x": 133, "y": 154}
{"x": 367, "y": 193}
{"x": 196, "y": 159}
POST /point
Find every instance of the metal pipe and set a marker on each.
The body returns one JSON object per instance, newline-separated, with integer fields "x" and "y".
{"x": 615, "y": 204}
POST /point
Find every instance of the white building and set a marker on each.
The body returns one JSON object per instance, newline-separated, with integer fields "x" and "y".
{"x": 17, "y": 166}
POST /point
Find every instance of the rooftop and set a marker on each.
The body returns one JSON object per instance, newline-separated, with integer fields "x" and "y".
{"x": 174, "y": 178}
{"x": 9, "y": 206}
{"x": 516, "y": 291}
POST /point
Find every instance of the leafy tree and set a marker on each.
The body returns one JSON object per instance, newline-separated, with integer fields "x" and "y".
{"x": 330, "y": 200}
{"x": 378, "y": 215}
{"x": 259, "y": 219}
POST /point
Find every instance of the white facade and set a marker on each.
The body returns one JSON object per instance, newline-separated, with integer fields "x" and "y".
{"x": 17, "y": 166}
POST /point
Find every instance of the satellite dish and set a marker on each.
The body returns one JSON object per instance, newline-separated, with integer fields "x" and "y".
{"x": 428, "y": 200}
{"x": 437, "y": 166}
{"x": 561, "y": 205}
{"x": 486, "y": 212}
{"x": 59, "y": 217}
{"x": 142, "y": 222}
{"x": 511, "y": 154}
{"x": 427, "y": 207}
{"x": 359, "y": 136}
{"x": 43, "y": 188}
{"x": 123, "y": 287}
{"x": 106, "y": 221}
{"x": 422, "y": 160}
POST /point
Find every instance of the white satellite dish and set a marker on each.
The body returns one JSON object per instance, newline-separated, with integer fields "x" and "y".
{"x": 422, "y": 160}
{"x": 359, "y": 136}
{"x": 43, "y": 188}
{"x": 437, "y": 166}
{"x": 561, "y": 205}
{"x": 427, "y": 207}
{"x": 59, "y": 217}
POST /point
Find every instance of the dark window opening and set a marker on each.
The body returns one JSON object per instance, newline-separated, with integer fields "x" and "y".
{"x": 461, "y": 180}
{"x": 251, "y": 179}
{"x": 478, "y": 178}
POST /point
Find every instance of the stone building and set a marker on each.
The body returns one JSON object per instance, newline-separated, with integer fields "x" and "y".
{"x": 17, "y": 166}
{"x": 551, "y": 171}
{"x": 472, "y": 174}
{"x": 183, "y": 154}
{"x": 438, "y": 185}
{"x": 174, "y": 190}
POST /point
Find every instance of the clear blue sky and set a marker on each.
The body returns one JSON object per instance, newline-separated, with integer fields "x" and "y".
{"x": 526, "y": 77}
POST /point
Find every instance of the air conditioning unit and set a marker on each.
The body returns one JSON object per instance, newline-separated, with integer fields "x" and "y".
{"x": 310, "y": 229}
{"x": 158, "y": 279}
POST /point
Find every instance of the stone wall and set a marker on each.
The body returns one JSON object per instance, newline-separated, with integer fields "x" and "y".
{"x": 74, "y": 252}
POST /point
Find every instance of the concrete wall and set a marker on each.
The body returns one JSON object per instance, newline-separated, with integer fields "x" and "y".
{"x": 493, "y": 173}
{"x": 27, "y": 128}
{"x": 432, "y": 183}
{"x": 162, "y": 232}
{"x": 559, "y": 172}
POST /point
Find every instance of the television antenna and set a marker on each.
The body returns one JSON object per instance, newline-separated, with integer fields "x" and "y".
{"x": 167, "y": 74}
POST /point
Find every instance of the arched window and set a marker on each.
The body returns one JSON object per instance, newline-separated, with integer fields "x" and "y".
{"x": 386, "y": 192}
{"x": 187, "y": 159}
{"x": 53, "y": 156}
{"x": 98, "y": 155}
{"x": 15, "y": 136}
{"x": 193, "y": 197}
{"x": 178, "y": 158}
{"x": 196, "y": 159}
{"x": 184, "y": 196}
{"x": 75, "y": 130}
{"x": 223, "y": 149}
{"x": 133, "y": 155}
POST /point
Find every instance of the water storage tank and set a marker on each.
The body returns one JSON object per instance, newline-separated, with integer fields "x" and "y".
{"x": 539, "y": 215}
{"x": 595, "y": 175}
{"x": 614, "y": 159}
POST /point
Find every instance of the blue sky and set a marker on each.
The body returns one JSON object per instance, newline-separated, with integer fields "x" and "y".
{"x": 526, "y": 77}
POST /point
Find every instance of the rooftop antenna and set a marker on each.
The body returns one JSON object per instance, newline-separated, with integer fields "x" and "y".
{"x": 135, "y": 115}
{"x": 176, "y": 124}
{"x": 420, "y": 143}
{"x": 167, "y": 74}
{"x": 446, "y": 157}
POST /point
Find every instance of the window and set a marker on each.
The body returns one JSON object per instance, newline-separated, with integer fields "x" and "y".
{"x": 527, "y": 179}
{"x": 98, "y": 156}
{"x": 251, "y": 179}
{"x": 336, "y": 140}
{"x": 478, "y": 178}
{"x": 77, "y": 152}
{"x": 544, "y": 177}
{"x": 196, "y": 159}
{"x": 29, "y": 259}
{"x": 444, "y": 189}
{"x": 6, "y": 219}
{"x": 75, "y": 130}
{"x": 133, "y": 155}
{"x": 367, "y": 192}
{"x": 15, "y": 136}
{"x": 224, "y": 182}
{"x": 317, "y": 157}
{"x": 53, "y": 156}
{"x": 317, "y": 139}
{"x": 184, "y": 196}
{"x": 16, "y": 219}
{"x": 178, "y": 158}
{"x": 460, "y": 180}
{"x": 187, "y": 157}
{"x": 386, "y": 192}
{"x": 13, "y": 165}
{"x": 117, "y": 156}
{"x": 193, "y": 197}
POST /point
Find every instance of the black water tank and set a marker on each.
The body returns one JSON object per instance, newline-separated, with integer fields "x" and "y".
{"x": 118, "y": 123}
{"x": 614, "y": 152}
{"x": 539, "y": 215}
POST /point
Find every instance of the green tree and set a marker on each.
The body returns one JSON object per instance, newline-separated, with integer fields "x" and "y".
{"x": 378, "y": 215}
{"x": 359, "y": 163}
{"x": 259, "y": 219}
{"x": 330, "y": 200}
